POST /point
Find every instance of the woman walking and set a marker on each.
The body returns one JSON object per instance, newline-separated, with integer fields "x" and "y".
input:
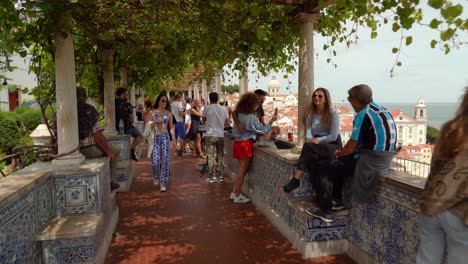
{"x": 194, "y": 135}
{"x": 243, "y": 142}
{"x": 444, "y": 205}
{"x": 160, "y": 155}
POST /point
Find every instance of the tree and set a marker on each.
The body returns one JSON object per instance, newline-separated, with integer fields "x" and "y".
{"x": 432, "y": 135}
{"x": 230, "y": 89}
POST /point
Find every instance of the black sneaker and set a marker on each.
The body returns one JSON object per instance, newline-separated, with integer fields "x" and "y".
{"x": 318, "y": 213}
{"x": 179, "y": 153}
{"x": 292, "y": 185}
{"x": 337, "y": 205}
{"x": 134, "y": 157}
{"x": 114, "y": 186}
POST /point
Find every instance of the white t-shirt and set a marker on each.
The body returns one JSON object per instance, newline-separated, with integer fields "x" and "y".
{"x": 188, "y": 119}
{"x": 176, "y": 107}
{"x": 215, "y": 118}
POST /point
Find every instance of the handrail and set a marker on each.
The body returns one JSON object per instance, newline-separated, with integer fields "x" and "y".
{"x": 412, "y": 167}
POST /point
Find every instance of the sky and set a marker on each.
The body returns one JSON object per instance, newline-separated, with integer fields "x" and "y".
{"x": 425, "y": 72}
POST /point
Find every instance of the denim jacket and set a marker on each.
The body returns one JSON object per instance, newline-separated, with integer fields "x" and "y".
{"x": 252, "y": 127}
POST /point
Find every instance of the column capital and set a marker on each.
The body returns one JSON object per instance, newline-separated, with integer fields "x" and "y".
{"x": 307, "y": 18}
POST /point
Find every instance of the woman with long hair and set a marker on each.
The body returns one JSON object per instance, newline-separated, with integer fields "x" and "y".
{"x": 444, "y": 205}
{"x": 323, "y": 128}
{"x": 194, "y": 135}
{"x": 243, "y": 142}
{"x": 162, "y": 126}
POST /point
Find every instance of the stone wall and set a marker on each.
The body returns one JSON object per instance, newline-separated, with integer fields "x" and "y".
{"x": 383, "y": 230}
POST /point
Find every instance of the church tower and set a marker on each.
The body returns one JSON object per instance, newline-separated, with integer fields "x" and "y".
{"x": 420, "y": 111}
{"x": 273, "y": 87}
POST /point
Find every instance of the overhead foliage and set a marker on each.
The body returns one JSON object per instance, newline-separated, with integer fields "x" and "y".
{"x": 159, "y": 41}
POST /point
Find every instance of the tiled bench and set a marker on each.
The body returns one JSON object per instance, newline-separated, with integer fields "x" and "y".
{"x": 57, "y": 214}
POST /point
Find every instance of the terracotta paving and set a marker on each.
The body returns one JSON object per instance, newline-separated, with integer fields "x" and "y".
{"x": 195, "y": 222}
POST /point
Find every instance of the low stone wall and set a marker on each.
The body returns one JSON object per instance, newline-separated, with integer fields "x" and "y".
{"x": 124, "y": 169}
{"x": 38, "y": 202}
{"x": 383, "y": 230}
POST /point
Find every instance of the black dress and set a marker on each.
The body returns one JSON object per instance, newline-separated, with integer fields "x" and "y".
{"x": 196, "y": 121}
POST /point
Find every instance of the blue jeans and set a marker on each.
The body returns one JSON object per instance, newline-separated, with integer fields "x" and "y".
{"x": 440, "y": 232}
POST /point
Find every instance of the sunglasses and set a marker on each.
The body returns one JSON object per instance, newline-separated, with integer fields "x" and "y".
{"x": 163, "y": 101}
{"x": 317, "y": 95}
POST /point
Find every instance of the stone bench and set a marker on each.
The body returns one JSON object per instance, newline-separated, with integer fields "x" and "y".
{"x": 124, "y": 169}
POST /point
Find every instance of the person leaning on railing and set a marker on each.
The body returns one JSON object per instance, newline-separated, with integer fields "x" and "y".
{"x": 243, "y": 141}
{"x": 444, "y": 204}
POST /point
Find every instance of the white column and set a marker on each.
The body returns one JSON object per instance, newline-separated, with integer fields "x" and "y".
{"x": 204, "y": 90}
{"x": 218, "y": 82}
{"x": 244, "y": 80}
{"x": 109, "y": 94}
{"x": 65, "y": 81}
{"x": 196, "y": 93}
{"x": 132, "y": 100}
{"x": 306, "y": 69}
{"x": 190, "y": 91}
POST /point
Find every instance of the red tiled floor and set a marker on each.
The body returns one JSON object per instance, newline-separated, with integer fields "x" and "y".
{"x": 195, "y": 222}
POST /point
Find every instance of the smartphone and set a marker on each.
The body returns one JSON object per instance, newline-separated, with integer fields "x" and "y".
{"x": 276, "y": 111}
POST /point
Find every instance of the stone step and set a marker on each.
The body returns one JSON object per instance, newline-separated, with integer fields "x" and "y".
{"x": 71, "y": 227}
{"x": 314, "y": 229}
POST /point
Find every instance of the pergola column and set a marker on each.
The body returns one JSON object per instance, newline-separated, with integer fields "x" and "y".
{"x": 109, "y": 96}
{"x": 196, "y": 93}
{"x": 204, "y": 90}
{"x": 244, "y": 80}
{"x": 218, "y": 82}
{"x": 65, "y": 80}
{"x": 306, "y": 69}
{"x": 190, "y": 91}
{"x": 133, "y": 100}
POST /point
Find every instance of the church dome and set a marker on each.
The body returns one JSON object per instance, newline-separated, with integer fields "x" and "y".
{"x": 274, "y": 84}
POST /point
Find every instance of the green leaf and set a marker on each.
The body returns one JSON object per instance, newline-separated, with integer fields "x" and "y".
{"x": 409, "y": 40}
{"x": 394, "y": 50}
{"x": 373, "y": 35}
{"x": 437, "y": 4}
{"x": 398, "y": 64}
{"x": 433, "y": 43}
{"x": 451, "y": 12}
{"x": 447, "y": 34}
{"x": 395, "y": 27}
{"x": 435, "y": 23}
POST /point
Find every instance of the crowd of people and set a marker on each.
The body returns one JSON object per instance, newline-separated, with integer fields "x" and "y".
{"x": 363, "y": 159}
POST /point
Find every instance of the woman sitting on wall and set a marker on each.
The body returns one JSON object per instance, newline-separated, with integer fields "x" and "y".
{"x": 444, "y": 205}
{"x": 243, "y": 142}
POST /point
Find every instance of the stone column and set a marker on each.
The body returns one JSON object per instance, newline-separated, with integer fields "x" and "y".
{"x": 306, "y": 69}
{"x": 190, "y": 91}
{"x": 244, "y": 80}
{"x": 65, "y": 81}
{"x": 133, "y": 100}
{"x": 123, "y": 77}
{"x": 109, "y": 94}
{"x": 218, "y": 82}
{"x": 204, "y": 90}
{"x": 196, "y": 93}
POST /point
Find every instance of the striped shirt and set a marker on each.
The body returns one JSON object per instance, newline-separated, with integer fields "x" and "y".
{"x": 374, "y": 128}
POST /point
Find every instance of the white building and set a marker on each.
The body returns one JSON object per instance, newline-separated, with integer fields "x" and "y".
{"x": 273, "y": 87}
{"x": 20, "y": 78}
{"x": 411, "y": 130}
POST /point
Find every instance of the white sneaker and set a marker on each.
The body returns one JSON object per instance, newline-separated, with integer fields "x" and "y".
{"x": 156, "y": 181}
{"x": 163, "y": 188}
{"x": 232, "y": 196}
{"x": 220, "y": 179}
{"x": 241, "y": 199}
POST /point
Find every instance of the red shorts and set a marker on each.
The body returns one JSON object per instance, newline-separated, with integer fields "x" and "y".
{"x": 242, "y": 149}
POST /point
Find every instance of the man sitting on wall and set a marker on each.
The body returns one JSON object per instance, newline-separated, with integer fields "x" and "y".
{"x": 92, "y": 141}
{"x": 369, "y": 151}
